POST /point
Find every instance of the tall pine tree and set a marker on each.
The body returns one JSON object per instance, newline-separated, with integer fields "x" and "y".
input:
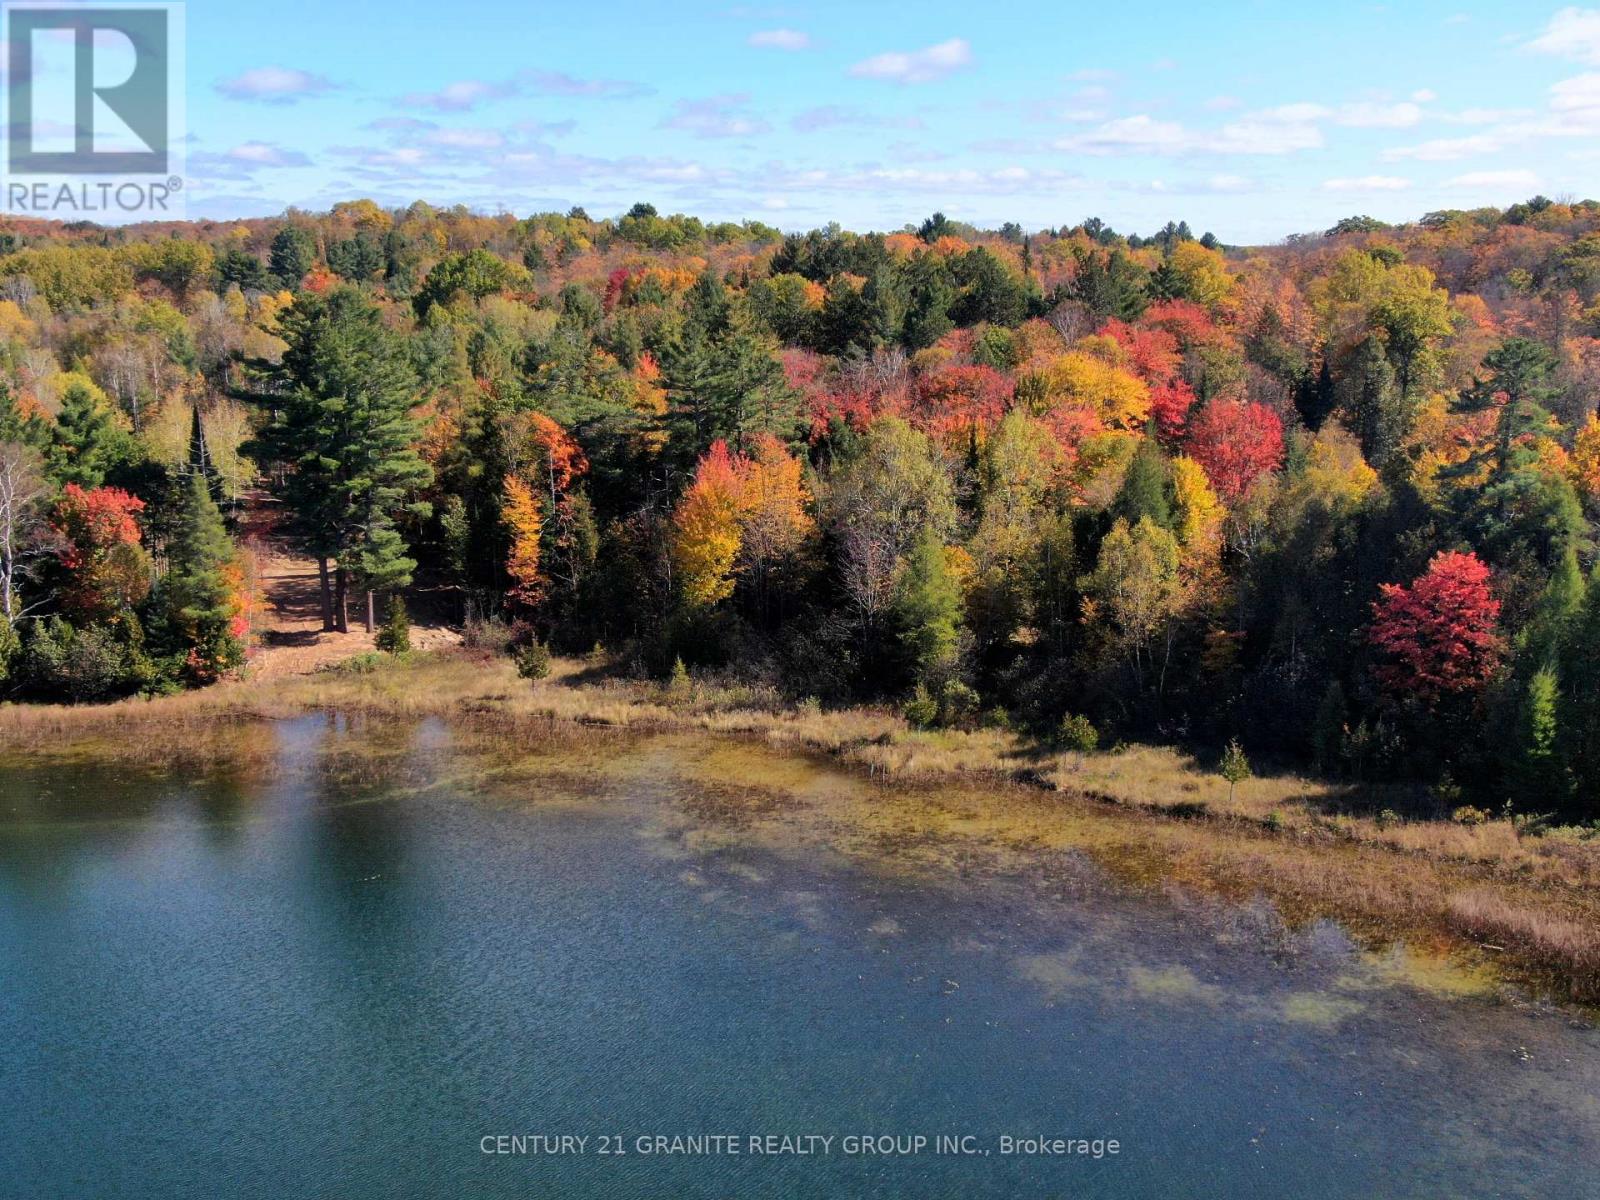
{"x": 344, "y": 393}
{"x": 199, "y": 605}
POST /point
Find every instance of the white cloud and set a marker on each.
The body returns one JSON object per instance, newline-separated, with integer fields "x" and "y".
{"x": 1228, "y": 184}
{"x": 466, "y": 139}
{"x": 1282, "y": 130}
{"x": 274, "y": 85}
{"x": 1130, "y": 135}
{"x": 1445, "y": 149}
{"x": 1367, "y": 183}
{"x": 716, "y": 117}
{"x": 263, "y": 154}
{"x": 1367, "y": 115}
{"x": 916, "y": 66}
{"x": 780, "y": 39}
{"x": 834, "y": 116}
{"x": 1424, "y": 95}
{"x": 1572, "y": 33}
{"x": 1498, "y": 180}
{"x": 464, "y": 95}
{"x": 1271, "y": 131}
{"x": 1580, "y": 94}
{"x": 460, "y": 96}
{"x": 1223, "y": 104}
{"x": 240, "y": 164}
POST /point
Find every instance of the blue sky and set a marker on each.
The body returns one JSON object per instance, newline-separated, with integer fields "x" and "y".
{"x": 1254, "y": 120}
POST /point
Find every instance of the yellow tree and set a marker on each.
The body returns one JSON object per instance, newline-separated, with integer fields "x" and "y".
{"x": 1080, "y": 379}
{"x": 1205, "y": 275}
{"x": 706, "y": 533}
{"x": 524, "y": 522}
{"x": 1199, "y": 512}
{"x": 772, "y": 500}
{"x": 1586, "y": 458}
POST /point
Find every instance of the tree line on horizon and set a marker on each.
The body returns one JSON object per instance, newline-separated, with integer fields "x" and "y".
{"x": 1336, "y": 497}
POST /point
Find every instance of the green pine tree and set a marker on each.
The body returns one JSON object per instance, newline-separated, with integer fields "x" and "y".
{"x": 88, "y": 440}
{"x": 198, "y": 603}
{"x": 395, "y": 635}
{"x": 1549, "y": 627}
{"x": 1581, "y": 679}
{"x": 1540, "y": 776}
{"x": 343, "y": 393}
{"x": 1145, "y": 487}
{"x": 928, "y": 610}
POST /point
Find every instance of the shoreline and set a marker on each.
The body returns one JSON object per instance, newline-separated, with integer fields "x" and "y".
{"x": 1525, "y": 908}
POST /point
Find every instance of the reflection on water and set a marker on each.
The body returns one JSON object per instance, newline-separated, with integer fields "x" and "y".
{"x": 335, "y": 977}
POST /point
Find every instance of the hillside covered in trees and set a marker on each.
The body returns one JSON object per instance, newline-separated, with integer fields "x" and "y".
{"x": 1335, "y": 497}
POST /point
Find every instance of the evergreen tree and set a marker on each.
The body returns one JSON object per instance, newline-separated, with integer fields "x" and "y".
{"x": 928, "y": 610}
{"x": 1113, "y": 286}
{"x": 1539, "y": 774}
{"x": 1374, "y": 403}
{"x": 293, "y": 253}
{"x": 1549, "y": 626}
{"x": 1145, "y": 488}
{"x": 1520, "y": 370}
{"x": 88, "y": 442}
{"x": 727, "y": 388}
{"x": 395, "y": 635}
{"x": 344, "y": 426}
{"x": 32, "y": 430}
{"x": 198, "y": 601}
{"x": 1581, "y": 679}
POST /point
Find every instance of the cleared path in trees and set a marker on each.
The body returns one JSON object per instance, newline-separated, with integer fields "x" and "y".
{"x": 289, "y": 638}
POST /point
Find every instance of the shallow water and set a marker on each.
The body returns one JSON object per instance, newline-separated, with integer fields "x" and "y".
{"x": 338, "y": 977}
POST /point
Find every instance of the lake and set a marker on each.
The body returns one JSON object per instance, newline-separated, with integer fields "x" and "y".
{"x": 356, "y": 960}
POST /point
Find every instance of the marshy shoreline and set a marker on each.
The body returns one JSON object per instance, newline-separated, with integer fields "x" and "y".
{"x": 1495, "y": 901}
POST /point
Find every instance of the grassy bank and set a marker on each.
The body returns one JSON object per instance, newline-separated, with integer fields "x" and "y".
{"x": 1491, "y": 892}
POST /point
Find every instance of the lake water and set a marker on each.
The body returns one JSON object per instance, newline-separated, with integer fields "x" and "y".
{"x": 338, "y": 977}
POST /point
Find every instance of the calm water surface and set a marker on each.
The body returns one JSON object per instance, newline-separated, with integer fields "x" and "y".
{"x": 312, "y": 983}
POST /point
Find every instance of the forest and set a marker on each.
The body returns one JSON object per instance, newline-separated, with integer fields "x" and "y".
{"x": 1334, "y": 498}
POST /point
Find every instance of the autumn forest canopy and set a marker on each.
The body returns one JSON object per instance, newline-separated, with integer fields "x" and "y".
{"x": 1334, "y": 497}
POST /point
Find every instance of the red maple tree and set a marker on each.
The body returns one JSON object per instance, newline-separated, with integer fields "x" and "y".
{"x": 1236, "y": 443}
{"x": 1438, "y": 634}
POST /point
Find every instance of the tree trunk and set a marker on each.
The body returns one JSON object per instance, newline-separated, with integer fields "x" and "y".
{"x": 341, "y": 600}
{"x": 327, "y": 594}
{"x": 370, "y": 621}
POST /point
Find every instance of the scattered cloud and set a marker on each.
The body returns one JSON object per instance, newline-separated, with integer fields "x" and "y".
{"x": 274, "y": 85}
{"x": 1524, "y": 181}
{"x": 1368, "y": 115}
{"x": 265, "y": 154}
{"x": 464, "y": 95}
{"x": 1367, "y": 183}
{"x": 1444, "y": 149}
{"x": 916, "y": 66}
{"x": 1572, "y": 33}
{"x": 1271, "y": 131}
{"x": 780, "y": 39}
{"x": 716, "y": 117}
{"x": 1580, "y": 94}
{"x": 1223, "y": 104}
{"x": 240, "y": 164}
{"x": 1424, "y": 95}
{"x": 559, "y": 83}
{"x": 461, "y": 96}
{"x": 836, "y": 116}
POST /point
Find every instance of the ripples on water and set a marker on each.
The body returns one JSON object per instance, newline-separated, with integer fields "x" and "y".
{"x": 337, "y": 977}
